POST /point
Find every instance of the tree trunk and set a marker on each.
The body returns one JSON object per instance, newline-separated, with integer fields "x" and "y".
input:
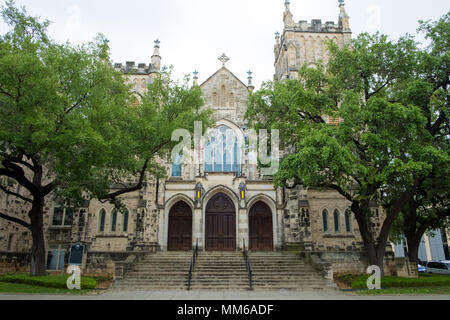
{"x": 37, "y": 265}
{"x": 367, "y": 238}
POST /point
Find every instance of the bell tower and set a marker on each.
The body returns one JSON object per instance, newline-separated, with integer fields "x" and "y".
{"x": 303, "y": 43}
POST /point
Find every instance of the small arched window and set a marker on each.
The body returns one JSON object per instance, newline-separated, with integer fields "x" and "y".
{"x": 102, "y": 219}
{"x": 336, "y": 221}
{"x": 223, "y": 97}
{"x": 325, "y": 220}
{"x": 292, "y": 51}
{"x": 231, "y": 100}
{"x": 125, "y": 221}
{"x": 215, "y": 100}
{"x": 348, "y": 221}
{"x": 113, "y": 220}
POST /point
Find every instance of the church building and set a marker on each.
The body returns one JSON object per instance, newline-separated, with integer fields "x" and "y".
{"x": 225, "y": 202}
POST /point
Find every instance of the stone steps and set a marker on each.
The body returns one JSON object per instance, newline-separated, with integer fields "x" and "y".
{"x": 222, "y": 271}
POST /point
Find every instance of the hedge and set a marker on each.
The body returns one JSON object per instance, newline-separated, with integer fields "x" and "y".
{"x": 50, "y": 281}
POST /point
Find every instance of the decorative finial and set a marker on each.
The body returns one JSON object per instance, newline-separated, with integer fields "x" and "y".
{"x": 164, "y": 68}
{"x": 341, "y": 2}
{"x": 157, "y": 42}
{"x": 250, "y": 86}
{"x": 195, "y": 74}
{"x": 224, "y": 59}
{"x": 277, "y": 35}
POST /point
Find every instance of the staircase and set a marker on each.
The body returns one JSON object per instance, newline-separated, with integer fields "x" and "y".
{"x": 285, "y": 271}
{"x": 158, "y": 272}
{"x": 223, "y": 271}
{"x": 220, "y": 271}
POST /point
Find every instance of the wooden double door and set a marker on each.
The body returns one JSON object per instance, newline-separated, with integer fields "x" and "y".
{"x": 220, "y": 224}
{"x": 180, "y": 227}
{"x": 260, "y": 228}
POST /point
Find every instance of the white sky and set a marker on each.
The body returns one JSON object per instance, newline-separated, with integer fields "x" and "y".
{"x": 194, "y": 33}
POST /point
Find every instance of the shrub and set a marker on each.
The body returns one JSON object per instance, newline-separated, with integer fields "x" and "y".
{"x": 49, "y": 281}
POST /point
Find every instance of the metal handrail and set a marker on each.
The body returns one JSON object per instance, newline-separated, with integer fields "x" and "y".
{"x": 248, "y": 265}
{"x": 192, "y": 265}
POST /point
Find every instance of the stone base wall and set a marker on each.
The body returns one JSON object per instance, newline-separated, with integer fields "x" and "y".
{"x": 11, "y": 262}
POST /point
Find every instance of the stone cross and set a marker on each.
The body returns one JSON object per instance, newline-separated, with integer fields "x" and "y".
{"x": 224, "y": 59}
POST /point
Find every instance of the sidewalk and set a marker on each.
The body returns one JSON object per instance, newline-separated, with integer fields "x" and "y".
{"x": 221, "y": 296}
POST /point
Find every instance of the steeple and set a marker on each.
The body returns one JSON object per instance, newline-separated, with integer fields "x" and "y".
{"x": 156, "y": 58}
{"x": 288, "y": 17}
{"x": 344, "y": 19}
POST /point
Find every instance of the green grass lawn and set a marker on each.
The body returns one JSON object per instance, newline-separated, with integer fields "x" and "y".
{"x": 425, "y": 284}
{"x": 50, "y": 284}
{"x": 411, "y": 291}
{"x": 6, "y": 287}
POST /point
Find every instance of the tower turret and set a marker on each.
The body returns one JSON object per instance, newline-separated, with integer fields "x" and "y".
{"x": 288, "y": 17}
{"x": 344, "y": 19}
{"x": 156, "y": 58}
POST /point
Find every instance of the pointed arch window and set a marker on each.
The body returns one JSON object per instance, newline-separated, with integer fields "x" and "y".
{"x": 325, "y": 220}
{"x": 348, "y": 221}
{"x": 222, "y": 152}
{"x": 292, "y": 52}
{"x": 231, "y": 100}
{"x": 125, "y": 221}
{"x": 114, "y": 220}
{"x": 177, "y": 166}
{"x": 337, "y": 221}
{"x": 223, "y": 97}
{"x": 102, "y": 219}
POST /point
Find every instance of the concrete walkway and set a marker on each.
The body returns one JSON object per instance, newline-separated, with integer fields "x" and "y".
{"x": 221, "y": 296}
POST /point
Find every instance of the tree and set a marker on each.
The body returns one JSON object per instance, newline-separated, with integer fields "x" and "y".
{"x": 429, "y": 207}
{"x": 69, "y": 127}
{"x": 380, "y": 152}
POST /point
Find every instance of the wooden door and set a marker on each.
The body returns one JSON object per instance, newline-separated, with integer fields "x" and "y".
{"x": 260, "y": 228}
{"x": 180, "y": 228}
{"x": 220, "y": 224}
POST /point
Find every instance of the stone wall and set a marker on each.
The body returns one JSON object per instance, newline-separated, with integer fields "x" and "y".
{"x": 13, "y": 262}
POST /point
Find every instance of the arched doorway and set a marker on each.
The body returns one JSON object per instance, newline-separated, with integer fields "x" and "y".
{"x": 260, "y": 227}
{"x": 220, "y": 224}
{"x": 180, "y": 227}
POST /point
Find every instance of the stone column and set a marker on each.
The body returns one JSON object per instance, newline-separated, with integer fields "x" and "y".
{"x": 197, "y": 224}
{"x": 243, "y": 228}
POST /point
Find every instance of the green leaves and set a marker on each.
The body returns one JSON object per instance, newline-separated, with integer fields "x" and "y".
{"x": 392, "y": 99}
{"x": 64, "y": 108}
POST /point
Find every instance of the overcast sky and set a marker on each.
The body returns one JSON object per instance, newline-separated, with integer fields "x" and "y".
{"x": 194, "y": 33}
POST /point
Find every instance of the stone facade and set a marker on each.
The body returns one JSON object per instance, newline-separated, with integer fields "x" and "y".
{"x": 297, "y": 214}
{"x": 307, "y": 43}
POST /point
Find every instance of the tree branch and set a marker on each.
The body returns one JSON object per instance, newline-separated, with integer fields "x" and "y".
{"x": 15, "y": 172}
{"x": 16, "y": 220}
{"x": 5, "y": 190}
{"x": 138, "y": 186}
